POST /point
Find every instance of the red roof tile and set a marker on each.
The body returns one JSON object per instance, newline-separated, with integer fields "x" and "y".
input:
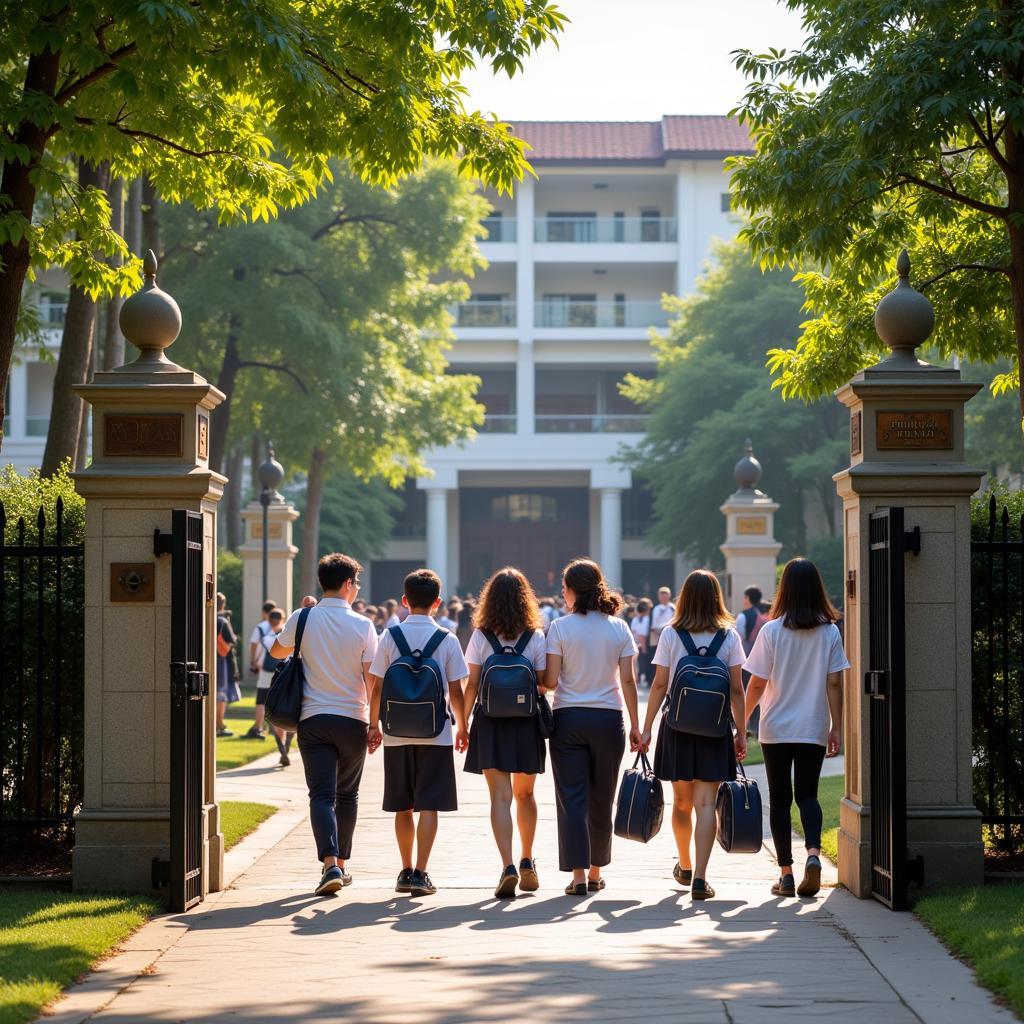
{"x": 650, "y": 142}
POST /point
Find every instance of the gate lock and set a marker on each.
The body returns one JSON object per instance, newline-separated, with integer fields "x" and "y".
{"x": 876, "y": 683}
{"x": 187, "y": 683}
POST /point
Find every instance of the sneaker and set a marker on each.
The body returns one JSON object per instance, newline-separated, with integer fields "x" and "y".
{"x": 346, "y": 876}
{"x": 421, "y": 884}
{"x": 700, "y": 890}
{"x": 506, "y": 887}
{"x": 684, "y": 876}
{"x": 224, "y": 731}
{"x": 810, "y": 885}
{"x": 528, "y": 880}
{"x": 330, "y": 882}
{"x": 255, "y": 734}
{"x": 404, "y": 883}
{"x": 284, "y": 760}
{"x": 785, "y": 886}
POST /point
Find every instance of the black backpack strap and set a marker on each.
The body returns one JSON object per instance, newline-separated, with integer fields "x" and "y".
{"x": 691, "y": 647}
{"x": 434, "y": 642}
{"x": 493, "y": 641}
{"x": 400, "y": 642}
{"x": 523, "y": 642}
{"x": 300, "y": 628}
{"x": 716, "y": 645}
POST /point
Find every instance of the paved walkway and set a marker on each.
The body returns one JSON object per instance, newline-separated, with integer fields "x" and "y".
{"x": 266, "y": 950}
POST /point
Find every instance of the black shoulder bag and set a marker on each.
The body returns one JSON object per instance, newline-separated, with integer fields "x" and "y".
{"x": 284, "y": 699}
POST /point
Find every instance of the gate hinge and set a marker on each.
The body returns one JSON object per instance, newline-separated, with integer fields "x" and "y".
{"x": 187, "y": 683}
{"x": 912, "y": 541}
{"x": 161, "y": 873}
{"x": 163, "y": 543}
{"x": 876, "y": 683}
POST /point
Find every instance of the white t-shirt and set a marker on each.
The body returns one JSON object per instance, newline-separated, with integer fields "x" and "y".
{"x": 671, "y": 649}
{"x": 445, "y": 623}
{"x": 418, "y": 629}
{"x": 796, "y": 663}
{"x": 479, "y": 649}
{"x": 337, "y": 642}
{"x": 662, "y": 615}
{"x": 259, "y": 631}
{"x": 394, "y": 621}
{"x": 641, "y": 626}
{"x": 590, "y": 647}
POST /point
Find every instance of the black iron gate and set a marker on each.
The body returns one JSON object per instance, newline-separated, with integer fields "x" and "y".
{"x": 189, "y": 688}
{"x": 885, "y": 683}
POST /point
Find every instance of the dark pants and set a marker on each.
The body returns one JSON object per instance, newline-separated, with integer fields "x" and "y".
{"x": 803, "y": 762}
{"x": 333, "y": 751}
{"x": 586, "y": 755}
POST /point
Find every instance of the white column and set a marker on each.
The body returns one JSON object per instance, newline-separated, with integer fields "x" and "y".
{"x": 686, "y": 202}
{"x": 18, "y": 409}
{"x": 437, "y": 531}
{"x": 524, "y": 308}
{"x": 611, "y": 534}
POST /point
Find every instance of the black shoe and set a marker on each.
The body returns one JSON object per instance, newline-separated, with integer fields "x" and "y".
{"x": 785, "y": 886}
{"x": 421, "y": 884}
{"x": 284, "y": 760}
{"x": 701, "y": 890}
{"x": 528, "y": 880}
{"x": 810, "y": 884}
{"x": 506, "y": 887}
{"x": 576, "y": 889}
{"x": 404, "y": 883}
{"x": 684, "y": 876}
{"x": 224, "y": 731}
{"x": 595, "y": 884}
{"x": 255, "y": 734}
{"x": 330, "y": 881}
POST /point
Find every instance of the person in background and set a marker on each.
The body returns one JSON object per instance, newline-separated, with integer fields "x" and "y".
{"x": 640, "y": 624}
{"x": 257, "y": 654}
{"x": 796, "y": 675}
{"x": 227, "y": 668}
{"x": 391, "y": 613}
{"x": 748, "y": 624}
{"x": 449, "y": 618}
{"x": 661, "y": 615}
{"x": 359, "y": 606}
{"x": 464, "y": 627}
{"x": 270, "y": 665}
{"x": 548, "y": 613}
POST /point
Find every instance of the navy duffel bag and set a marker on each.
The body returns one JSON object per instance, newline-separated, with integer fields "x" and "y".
{"x": 739, "y": 815}
{"x": 641, "y": 802}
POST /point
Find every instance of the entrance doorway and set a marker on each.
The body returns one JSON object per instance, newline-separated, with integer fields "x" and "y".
{"x": 536, "y": 529}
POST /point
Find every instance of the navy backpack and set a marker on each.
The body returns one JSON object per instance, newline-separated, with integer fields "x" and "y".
{"x": 412, "y": 701}
{"x": 508, "y": 680}
{"x": 698, "y": 699}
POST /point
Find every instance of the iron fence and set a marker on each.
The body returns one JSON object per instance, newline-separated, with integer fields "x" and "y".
{"x": 997, "y": 608}
{"x": 42, "y": 639}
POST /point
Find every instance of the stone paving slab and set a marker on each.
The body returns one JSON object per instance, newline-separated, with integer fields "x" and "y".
{"x": 267, "y": 950}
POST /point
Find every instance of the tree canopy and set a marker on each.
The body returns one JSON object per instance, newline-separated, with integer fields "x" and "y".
{"x": 894, "y": 125}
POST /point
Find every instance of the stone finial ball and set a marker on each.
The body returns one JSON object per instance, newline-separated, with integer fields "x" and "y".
{"x": 150, "y": 319}
{"x": 748, "y": 470}
{"x": 904, "y": 318}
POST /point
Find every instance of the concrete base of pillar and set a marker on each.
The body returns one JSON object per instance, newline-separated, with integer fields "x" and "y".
{"x": 214, "y": 849}
{"x": 115, "y": 849}
{"x": 948, "y": 840}
{"x": 855, "y": 848}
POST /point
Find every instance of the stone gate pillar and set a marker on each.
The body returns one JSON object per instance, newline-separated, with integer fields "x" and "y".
{"x": 150, "y": 449}
{"x": 750, "y": 547}
{"x": 907, "y": 449}
{"x": 281, "y": 552}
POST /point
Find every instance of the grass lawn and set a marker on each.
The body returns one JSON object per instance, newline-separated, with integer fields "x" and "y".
{"x": 240, "y": 817}
{"x": 985, "y": 926}
{"x": 47, "y": 939}
{"x": 235, "y": 751}
{"x": 754, "y": 755}
{"x": 830, "y": 792}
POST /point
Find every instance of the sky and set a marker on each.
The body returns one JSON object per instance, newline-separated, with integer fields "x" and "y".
{"x": 634, "y": 60}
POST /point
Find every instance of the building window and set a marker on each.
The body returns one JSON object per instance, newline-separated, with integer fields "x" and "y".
{"x": 524, "y": 508}
{"x": 650, "y": 224}
{"x": 726, "y": 201}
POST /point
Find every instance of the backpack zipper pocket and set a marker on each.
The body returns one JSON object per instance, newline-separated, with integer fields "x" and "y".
{"x": 416, "y": 704}
{"x": 684, "y": 690}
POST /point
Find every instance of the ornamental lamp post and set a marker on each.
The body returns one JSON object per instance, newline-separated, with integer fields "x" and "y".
{"x": 270, "y": 473}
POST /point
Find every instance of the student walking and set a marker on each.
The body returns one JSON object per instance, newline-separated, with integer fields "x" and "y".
{"x": 257, "y": 656}
{"x": 696, "y": 764}
{"x": 227, "y": 668}
{"x": 749, "y": 623}
{"x": 661, "y": 615}
{"x": 590, "y": 668}
{"x": 508, "y": 751}
{"x": 269, "y": 665}
{"x": 419, "y": 773}
{"x": 796, "y": 675}
{"x": 337, "y": 646}
{"x": 640, "y": 624}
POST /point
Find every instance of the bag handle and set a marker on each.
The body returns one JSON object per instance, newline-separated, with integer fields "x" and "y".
{"x": 641, "y": 758}
{"x": 300, "y": 628}
{"x": 434, "y": 642}
{"x": 400, "y": 642}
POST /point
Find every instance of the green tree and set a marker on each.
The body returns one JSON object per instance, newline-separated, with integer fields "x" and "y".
{"x": 711, "y": 392}
{"x": 896, "y": 124}
{"x": 192, "y": 93}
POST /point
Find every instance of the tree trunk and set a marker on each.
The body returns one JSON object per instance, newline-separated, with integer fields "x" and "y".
{"x": 221, "y": 417}
{"x": 19, "y": 191}
{"x": 133, "y": 218}
{"x": 67, "y": 412}
{"x": 309, "y": 553}
{"x": 151, "y": 217}
{"x": 233, "y": 503}
{"x": 113, "y": 339}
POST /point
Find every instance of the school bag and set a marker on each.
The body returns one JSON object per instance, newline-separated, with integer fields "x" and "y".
{"x": 738, "y": 804}
{"x": 412, "y": 701}
{"x": 755, "y": 620}
{"x": 508, "y": 680}
{"x": 698, "y": 699}
{"x": 283, "y": 707}
{"x": 641, "y": 804}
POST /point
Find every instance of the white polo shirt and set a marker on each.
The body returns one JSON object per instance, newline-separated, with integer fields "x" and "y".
{"x": 337, "y": 642}
{"x": 590, "y": 647}
{"x": 661, "y": 616}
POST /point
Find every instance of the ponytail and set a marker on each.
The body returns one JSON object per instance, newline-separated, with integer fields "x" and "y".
{"x": 585, "y": 579}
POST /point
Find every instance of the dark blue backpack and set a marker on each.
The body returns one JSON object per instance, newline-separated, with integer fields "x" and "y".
{"x": 698, "y": 699}
{"x": 412, "y": 701}
{"x": 508, "y": 681}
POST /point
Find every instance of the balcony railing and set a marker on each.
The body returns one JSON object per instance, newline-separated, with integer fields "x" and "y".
{"x": 600, "y": 423}
{"x": 500, "y": 229}
{"x": 477, "y": 313}
{"x": 499, "y": 423}
{"x": 583, "y": 230}
{"x": 636, "y": 313}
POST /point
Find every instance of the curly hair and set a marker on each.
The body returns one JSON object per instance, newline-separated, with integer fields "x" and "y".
{"x": 585, "y": 579}
{"x": 507, "y": 606}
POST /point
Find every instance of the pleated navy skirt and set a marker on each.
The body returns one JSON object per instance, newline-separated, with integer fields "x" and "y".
{"x": 683, "y": 757}
{"x": 505, "y": 744}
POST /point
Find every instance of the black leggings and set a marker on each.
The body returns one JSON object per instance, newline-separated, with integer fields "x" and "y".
{"x": 793, "y": 769}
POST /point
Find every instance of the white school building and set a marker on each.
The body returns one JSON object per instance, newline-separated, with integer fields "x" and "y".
{"x": 620, "y": 214}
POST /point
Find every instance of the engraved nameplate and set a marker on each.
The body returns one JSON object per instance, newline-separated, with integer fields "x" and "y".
{"x": 908, "y": 430}
{"x": 855, "y": 436}
{"x": 203, "y": 443}
{"x": 751, "y": 524}
{"x": 275, "y": 531}
{"x": 143, "y": 434}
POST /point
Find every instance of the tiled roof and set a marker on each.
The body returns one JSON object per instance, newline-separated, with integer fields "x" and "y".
{"x": 649, "y": 142}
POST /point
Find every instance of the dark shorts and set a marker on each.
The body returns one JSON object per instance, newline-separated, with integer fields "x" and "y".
{"x": 420, "y": 777}
{"x": 261, "y": 696}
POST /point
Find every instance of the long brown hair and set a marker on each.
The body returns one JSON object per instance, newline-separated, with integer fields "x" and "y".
{"x": 700, "y": 607}
{"x": 801, "y": 601}
{"x": 585, "y": 579}
{"x": 507, "y": 606}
